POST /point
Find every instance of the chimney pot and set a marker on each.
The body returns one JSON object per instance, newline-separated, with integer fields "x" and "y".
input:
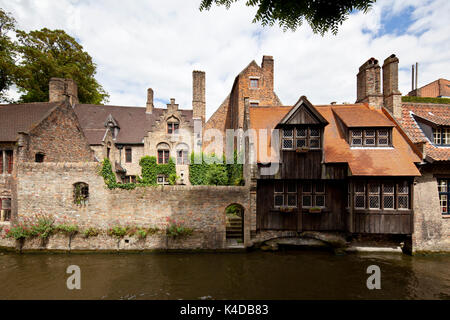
{"x": 392, "y": 97}
{"x": 149, "y": 101}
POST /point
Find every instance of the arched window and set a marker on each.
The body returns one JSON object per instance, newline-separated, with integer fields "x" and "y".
{"x": 182, "y": 154}
{"x": 81, "y": 193}
{"x": 163, "y": 153}
{"x": 172, "y": 125}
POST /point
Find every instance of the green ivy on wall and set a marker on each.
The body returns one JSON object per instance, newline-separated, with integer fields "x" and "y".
{"x": 208, "y": 173}
{"x": 151, "y": 170}
{"x": 110, "y": 178}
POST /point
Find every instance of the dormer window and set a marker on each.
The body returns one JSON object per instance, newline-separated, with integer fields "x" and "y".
{"x": 370, "y": 137}
{"x": 300, "y": 137}
{"x": 441, "y": 136}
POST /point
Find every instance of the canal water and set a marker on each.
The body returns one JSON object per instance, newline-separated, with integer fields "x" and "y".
{"x": 253, "y": 275}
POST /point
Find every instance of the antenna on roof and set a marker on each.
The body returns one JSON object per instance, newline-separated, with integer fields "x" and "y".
{"x": 414, "y": 76}
{"x": 417, "y": 72}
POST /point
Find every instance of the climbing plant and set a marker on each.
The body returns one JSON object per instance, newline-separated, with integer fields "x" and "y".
{"x": 209, "y": 173}
{"x": 151, "y": 169}
{"x": 110, "y": 178}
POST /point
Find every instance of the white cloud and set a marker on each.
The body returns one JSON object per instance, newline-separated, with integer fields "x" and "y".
{"x": 139, "y": 44}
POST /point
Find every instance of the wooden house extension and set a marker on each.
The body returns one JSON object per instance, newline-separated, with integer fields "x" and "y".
{"x": 346, "y": 168}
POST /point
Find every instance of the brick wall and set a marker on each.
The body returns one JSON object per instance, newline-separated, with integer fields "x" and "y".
{"x": 59, "y": 137}
{"x": 48, "y": 188}
{"x": 431, "y": 229}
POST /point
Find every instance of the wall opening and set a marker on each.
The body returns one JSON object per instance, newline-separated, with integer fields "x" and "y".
{"x": 39, "y": 157}
{"x": 235, "y": 225}
{"x": 81, "y": 193}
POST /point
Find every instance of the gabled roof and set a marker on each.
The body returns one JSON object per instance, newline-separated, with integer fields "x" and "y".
{"x": 134, "y": 122}
{"x": 310, "y": 110}
{"x": 396, "y": 161}
{"x": 23, "y": 117}
{"x": 439, "y": 114}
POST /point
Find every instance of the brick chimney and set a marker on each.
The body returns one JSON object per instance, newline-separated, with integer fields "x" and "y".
{"x": 267, "y": 67}
{"x": 198, "y": 95}
{"x": 61, "y": 89}
{"x": 391, "y": 95}
{"x": 369, "y": 84}
{"x": 149, "y": 100}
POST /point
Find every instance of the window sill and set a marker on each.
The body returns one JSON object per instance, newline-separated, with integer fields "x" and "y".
{"x": 445, "y": 216}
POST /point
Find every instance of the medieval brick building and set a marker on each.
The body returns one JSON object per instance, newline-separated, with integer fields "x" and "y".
{"x": 126, "y": 134}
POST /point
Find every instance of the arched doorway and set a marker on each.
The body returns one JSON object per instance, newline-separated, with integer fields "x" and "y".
{"x": 235, "y": 225}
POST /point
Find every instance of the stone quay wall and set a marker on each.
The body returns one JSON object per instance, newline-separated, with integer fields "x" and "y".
{"x": 48, "y": 188}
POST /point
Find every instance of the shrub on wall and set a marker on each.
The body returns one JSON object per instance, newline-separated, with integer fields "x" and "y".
{"x": 209, "y": 173}
{"x": 426, "y": 100}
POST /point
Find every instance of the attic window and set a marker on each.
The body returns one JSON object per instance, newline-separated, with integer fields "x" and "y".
{"x": 370, "y": 137}
{"x": 301, "y": 137}
{"x": 441, "y": 136}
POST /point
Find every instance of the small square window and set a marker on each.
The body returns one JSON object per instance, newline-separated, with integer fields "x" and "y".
{"x": 301, "y": 143}
{"x": 307, "y": 201}
{"x": 279, "y": 187}
{"x": 292, "y": 200}
{"x": 288, "y": 133}
{"x": 315, "y": 132}
{"x": 301, "y": 132}
{"x": 279, "y": 200}
{"x": 254, "y": 83}
{"x": 320, "y": 201}
{"x": 287, "y": 144}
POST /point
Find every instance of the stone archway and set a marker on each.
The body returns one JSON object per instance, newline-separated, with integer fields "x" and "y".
{"x": 234, "y": 225}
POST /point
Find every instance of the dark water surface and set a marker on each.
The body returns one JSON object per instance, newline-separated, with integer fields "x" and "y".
{"x": 254, "y": 275}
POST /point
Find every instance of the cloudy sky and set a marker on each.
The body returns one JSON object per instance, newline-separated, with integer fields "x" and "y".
{"x": 138, "y": 44}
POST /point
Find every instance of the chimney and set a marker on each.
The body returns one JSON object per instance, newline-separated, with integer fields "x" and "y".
{"x": 149, "y": 101}
{"x": 391, "y": 95}
{"x": 267, "y": 67}
{"x": 368, "y": 84}
{"x": 62, "y": 89}
{"x": 198, "y": 95}
{"x": 172, "y": 106}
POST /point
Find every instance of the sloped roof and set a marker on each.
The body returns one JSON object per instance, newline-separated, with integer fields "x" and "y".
{"x": 134, "y": 121}
{"x": 439, "y": 114}
{"x": 361, "y": 116}
{"x": 15, "y": 118}
{"x": 266, "y": 118}
{"x": 396, "y": 161}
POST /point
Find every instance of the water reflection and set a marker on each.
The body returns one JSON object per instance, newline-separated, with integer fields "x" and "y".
{"x": 255, "y": 275}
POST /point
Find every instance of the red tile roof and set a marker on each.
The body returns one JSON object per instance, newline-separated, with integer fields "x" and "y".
{"x": 361, "y": 116}
{"x": 397, "y": 161}
{"x": 436, "y": 113}
{"x": 15, "y": 118}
